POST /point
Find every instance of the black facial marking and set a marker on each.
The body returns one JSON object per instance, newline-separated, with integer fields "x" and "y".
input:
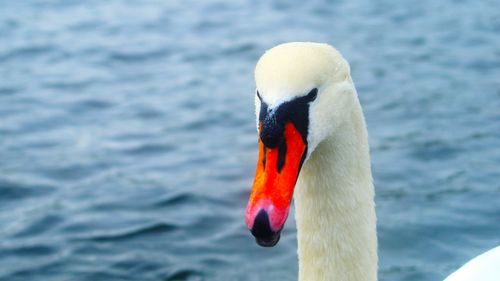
{"x": 281, "y": 156}
{"x": 273, "y": 120}
{"x": 264, "y": 158}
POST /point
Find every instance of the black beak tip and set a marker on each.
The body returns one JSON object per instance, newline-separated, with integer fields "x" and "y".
{"x": 270, "y": 241}
{"x": 262, "y": 231}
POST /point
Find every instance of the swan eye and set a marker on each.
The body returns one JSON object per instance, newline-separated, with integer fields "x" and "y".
{"x": 311, "y": 96}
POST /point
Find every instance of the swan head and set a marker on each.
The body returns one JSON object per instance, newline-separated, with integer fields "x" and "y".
{"x": 303, "y": 92}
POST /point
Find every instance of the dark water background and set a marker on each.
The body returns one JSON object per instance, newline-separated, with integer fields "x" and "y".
{"x": 127, "y": 134}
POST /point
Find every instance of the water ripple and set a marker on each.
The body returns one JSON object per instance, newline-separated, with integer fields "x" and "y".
{"x": 13, "y": 191}
{"x": 127, "y": 234}
{"x": 128, "y": 144}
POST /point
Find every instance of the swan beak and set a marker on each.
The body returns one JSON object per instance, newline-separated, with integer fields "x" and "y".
{"x": 276, "y": 174}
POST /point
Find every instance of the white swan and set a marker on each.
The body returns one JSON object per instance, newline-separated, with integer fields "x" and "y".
{"x": 485, "y": 267}
{"x": 308, "y": 113}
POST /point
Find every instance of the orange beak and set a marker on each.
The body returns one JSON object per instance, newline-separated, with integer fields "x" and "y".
{"x": 277, "y": 172}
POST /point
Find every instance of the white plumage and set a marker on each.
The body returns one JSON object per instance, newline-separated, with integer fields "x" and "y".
{"x": 334, "y": 194}
{"x": 485, "y": 267}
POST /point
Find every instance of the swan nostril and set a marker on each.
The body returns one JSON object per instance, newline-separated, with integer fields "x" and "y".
{"x": 262, "y": 231}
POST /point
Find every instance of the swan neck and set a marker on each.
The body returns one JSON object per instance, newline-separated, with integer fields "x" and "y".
{"x": 334, "y": 206}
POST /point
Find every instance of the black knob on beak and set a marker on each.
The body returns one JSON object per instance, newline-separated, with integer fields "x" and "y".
{"x": 272, "y": 129}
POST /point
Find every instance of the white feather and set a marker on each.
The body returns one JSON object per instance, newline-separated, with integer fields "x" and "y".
{"x": 485, "y": 267}
{"x": 334, "y": 194}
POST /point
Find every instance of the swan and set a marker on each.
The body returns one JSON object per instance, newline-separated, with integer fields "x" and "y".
{"x": 485, "y": 267}
{"x": 313, "y": 146}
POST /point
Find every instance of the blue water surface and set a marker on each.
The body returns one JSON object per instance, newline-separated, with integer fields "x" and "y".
{"x": 128, "y": 143}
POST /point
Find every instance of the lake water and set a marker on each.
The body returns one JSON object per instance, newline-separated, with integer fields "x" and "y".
{"x": 128, "y": 143}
